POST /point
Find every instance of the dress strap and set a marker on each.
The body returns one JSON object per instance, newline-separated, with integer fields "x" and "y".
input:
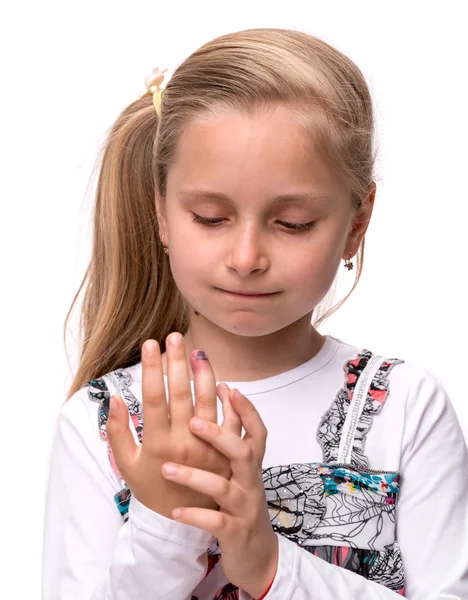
{"x": 355, "y": 411}
{"x": 343, "y": 429}
{"x": 100, "y": 390}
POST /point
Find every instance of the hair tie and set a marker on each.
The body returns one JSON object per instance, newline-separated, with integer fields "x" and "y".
{"x": 153, "y": 86}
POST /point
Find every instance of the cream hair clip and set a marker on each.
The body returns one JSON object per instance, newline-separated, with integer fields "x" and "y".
{"x": 153, "y": 83}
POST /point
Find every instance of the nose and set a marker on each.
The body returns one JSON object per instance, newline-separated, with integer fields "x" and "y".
{"x": 247, "y": 251}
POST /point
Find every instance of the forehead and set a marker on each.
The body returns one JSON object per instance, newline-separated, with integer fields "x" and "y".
{"x": 242, "y": 156}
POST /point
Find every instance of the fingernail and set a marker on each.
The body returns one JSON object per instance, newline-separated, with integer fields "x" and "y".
{"x": 169, "y": 469}
{"x": 176, "y": 513}
{"x": 174, "y": 339}
{"x": 198, "y": 424}
{"x": 150, "y": 346}
{"x": 201, "y": 355}
{"x": 224, "y": 386}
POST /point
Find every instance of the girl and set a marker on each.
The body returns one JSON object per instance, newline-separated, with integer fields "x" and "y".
{"x": 225, "y": 205}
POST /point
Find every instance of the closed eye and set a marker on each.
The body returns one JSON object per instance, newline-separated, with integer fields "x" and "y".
{"x": 298, "y": 226}
{"x": 213, "y": 221}
{"x": 206, "y": 220}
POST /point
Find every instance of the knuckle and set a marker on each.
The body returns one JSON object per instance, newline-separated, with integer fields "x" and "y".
{"x": 182, "y": 453}
{"x": 158, "y": 448}
{"x": 184, "y": 456}
{"x": 222, "y": 521}
{"x": 246, "y": 453}
{"x": 153, "y": 448}
{"x": 112, "y": 429}
{"x": 178, "y": 392}
{"x": 154, "y": 397}
{"x": 205, "y": 400}
{"x": 224, "y": 487}
{"x": 220, "y": 465}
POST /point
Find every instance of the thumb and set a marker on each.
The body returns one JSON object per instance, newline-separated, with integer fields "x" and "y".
{"x": 120, "y": 437}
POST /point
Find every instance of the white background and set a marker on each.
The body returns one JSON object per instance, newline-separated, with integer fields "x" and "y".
{"x": 68, "y": 69}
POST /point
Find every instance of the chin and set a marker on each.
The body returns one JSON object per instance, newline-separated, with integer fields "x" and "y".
{"x": 247, "y": 325}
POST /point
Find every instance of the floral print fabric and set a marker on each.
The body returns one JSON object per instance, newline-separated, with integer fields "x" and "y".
{"x": 331, "y": 425}
{"x": 344, "y": 514}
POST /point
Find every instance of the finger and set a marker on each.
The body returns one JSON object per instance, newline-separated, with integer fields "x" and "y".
{"x": 255, "y": 431}
{"x": 120, "y": 437}
{"x": 231, "y": 420}
{"x": 244, "y": 464}
{"x": 180, "y": 391}
{"x": 154, "y": 405}
{"x": 204, "y": 387}
{"x": 223, "y": 492}
{"x": 213, "y": 521}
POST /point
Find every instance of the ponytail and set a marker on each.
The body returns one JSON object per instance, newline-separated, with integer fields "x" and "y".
{"x": 130, "y": 294}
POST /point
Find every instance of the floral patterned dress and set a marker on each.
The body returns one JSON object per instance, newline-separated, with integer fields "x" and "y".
{"x": 340, "y": 509}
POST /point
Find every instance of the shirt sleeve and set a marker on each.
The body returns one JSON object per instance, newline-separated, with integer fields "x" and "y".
{"x": 88, "y": 552}
{"x": 431, "y": 516}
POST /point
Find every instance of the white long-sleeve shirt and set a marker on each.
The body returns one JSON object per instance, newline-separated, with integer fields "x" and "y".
{"x": 355, "y": 531}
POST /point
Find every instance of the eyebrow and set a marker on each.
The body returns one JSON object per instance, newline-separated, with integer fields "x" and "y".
{"x": 315, "y": 197}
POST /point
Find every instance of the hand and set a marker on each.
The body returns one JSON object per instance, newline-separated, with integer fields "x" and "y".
{"x": 166, "y": 434}
{"x": 249, "y": 546}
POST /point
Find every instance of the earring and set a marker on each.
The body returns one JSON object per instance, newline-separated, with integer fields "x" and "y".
{"x": 166, "y": 249}
{"x": 348, "y": 265}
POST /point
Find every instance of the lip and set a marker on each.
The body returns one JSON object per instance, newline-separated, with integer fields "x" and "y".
{"x": 252, "y": 296}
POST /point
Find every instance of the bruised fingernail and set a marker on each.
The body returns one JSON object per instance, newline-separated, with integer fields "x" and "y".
{"x": 198, "y": 424}
{"x": 201, "y": 355}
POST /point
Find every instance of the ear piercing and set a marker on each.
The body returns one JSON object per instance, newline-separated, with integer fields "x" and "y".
{"x": 349, "y": 265}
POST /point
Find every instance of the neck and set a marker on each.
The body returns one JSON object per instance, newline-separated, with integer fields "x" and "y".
{"x": 240, "y": 358}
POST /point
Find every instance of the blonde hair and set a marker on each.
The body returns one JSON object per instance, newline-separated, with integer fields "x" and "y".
{"x": 130, "y": 294}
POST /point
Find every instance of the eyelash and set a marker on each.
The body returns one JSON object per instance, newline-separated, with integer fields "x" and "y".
{"x": 299, "y": 227}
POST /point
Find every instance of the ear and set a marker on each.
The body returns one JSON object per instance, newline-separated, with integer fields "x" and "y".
{"x": 161, "y": 215}
{"x": 361, "y": 220}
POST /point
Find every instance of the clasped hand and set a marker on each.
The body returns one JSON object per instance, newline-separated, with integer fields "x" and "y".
{"x": 192, "y": 469}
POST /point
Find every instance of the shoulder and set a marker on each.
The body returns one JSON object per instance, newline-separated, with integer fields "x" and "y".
{"x": 81, "y": 425}
{"x": 408, "y": 375}
{"x": 418, "y": 410}
{"x": 427, "y": 410}
{"x": 126, "y": 382}
{"x": 78, "y": 411}
{"x": 419, "y": 388}
{"x": 78, "y": 436}
{"x": 410, "y": 383}
{"x": 431, "y": 431}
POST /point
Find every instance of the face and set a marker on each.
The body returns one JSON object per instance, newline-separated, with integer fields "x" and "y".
{"x": 251, "y": 209}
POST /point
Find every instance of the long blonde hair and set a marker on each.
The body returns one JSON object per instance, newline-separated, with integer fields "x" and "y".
{"x": 130, "y": 294}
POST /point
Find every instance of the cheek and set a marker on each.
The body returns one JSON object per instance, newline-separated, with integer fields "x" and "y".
{"x": 316, "y": 260}
{"x": 314, "y": 270}
{"x": 190, "y": 263}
